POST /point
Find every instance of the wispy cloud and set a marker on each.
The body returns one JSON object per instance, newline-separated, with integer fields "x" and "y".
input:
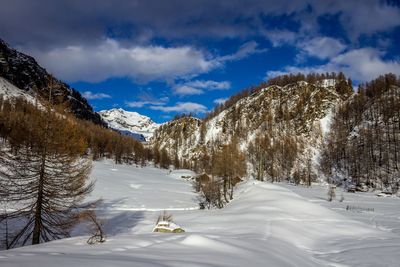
{"x": 279, "y": 37}
{"x": 244, "y": 51}
{"x": 184, "y": 90}
{"x": 198, "y": 87}
{"x": 322, "y": 47}
{"x": 209, "y": 85}
{"x": 141, "y": 103}
{"x": 90, "y": 95}
{"x": 182, "y": 107}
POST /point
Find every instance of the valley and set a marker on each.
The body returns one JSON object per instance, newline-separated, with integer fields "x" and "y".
{"x": 199, "y": 133}
{"x": 266, "y": 224}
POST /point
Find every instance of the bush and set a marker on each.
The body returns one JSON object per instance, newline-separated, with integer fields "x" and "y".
{"x": 212, "y": 195}
{"x": 331, "y": 192}
{"x": 164, "y": 217}
{"x": 96, "y": 228}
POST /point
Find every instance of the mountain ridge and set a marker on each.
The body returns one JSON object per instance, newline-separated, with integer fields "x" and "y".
{"x": 25, "y": 73}
{"x": 287, "y": 117}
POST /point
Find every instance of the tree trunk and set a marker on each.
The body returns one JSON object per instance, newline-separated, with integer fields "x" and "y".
{"x": 39, "y": 205}
{"x": 231, "y": 184}
{"x": 225, "y": 190}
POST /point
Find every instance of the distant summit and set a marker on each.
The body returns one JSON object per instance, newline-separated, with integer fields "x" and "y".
{"x": 130, "y": 123}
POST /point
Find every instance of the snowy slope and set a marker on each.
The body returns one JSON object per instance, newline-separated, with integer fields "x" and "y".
{"x": 8, "y": 90}
{"x": 124, "y": 187}
{"x": 266, "y": 225}
{"x": 128, "y": 121}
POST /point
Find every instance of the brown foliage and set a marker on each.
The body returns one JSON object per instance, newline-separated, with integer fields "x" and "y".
{"x": 363, "y": 144}
{"x": 44, "y": 172}
{"x": 343, "y": 88}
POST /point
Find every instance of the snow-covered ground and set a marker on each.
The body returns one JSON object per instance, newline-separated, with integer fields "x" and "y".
{"x": 126, "y": 187}
{"x": 265, "y": 225}
{"x": 381, "y": 212}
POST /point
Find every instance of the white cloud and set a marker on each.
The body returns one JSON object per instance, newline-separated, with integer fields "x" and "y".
{"x": 138, "y": 104}
{"x": 220, "y": 101}
{"x": 244, "y": 51}
{"x": 322, "y": 47}
{"x": 362, "y": 65}
{"x": 109, "y": 59}
{"x": 184, "y": 90}
{"x": 89, "y": 95}
{"x": 369, "y": 17}
{"x": 184, "y": 107}
{"x": 197, "y": 87}
{"x": 209, "y": 85}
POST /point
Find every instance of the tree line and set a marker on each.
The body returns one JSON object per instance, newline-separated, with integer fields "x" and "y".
{"x": 16, "y": 128}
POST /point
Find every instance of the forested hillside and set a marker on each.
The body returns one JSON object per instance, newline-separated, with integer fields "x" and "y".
{"x": 363, "y": 144}
{"x": 296, "y": 128}
{"x": 277, "y": 128}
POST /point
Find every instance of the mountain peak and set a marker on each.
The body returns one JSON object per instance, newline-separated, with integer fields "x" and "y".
{"x": 129, "y": 122}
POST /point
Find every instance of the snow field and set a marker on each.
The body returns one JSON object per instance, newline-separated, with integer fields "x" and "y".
{"x": 265, "y": 225}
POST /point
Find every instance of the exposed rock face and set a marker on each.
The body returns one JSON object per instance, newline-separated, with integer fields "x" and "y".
{"x": 179, "y": 136}
{"x": 25, "y": 73}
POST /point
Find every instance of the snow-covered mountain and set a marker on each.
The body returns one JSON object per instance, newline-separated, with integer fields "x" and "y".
{"x": 128, "y": 122}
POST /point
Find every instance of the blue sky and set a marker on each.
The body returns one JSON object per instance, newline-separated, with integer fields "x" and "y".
{"x": 161, "y": 58}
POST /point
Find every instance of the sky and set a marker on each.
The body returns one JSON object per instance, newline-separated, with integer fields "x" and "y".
{"x": 162, "y": 58}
